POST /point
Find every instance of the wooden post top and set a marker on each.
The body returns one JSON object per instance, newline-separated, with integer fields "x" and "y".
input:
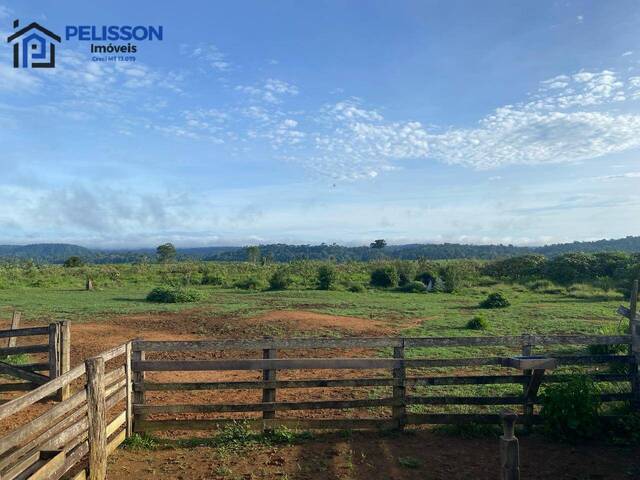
{"x": 508, "y": 423}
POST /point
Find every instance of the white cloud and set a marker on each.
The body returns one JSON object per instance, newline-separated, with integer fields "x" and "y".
{"x": 271, "y": 91}
{"x": 18, "y": 80}
{"x": 627, "y": 53}
{"x": 209, "y": 54}
{"x": 619, "y": 176}
{"x": 5, "y": 12}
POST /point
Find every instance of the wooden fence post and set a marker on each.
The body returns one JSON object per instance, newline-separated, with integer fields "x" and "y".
{"x": 96, "y": 411}
{"x": 129, "y": 398}
{"x": 15, "y": 323}
{"x": 54, "y": 350}
{"x": 509, "y": 449}
{"x": 269, "y": 394}
{"x": 634, "y": 330}
{"x": 399, "y": 409}
{"x": 65, "y": 357}
{"x": 138, "y": 377}
{"x": 528, "y": 404}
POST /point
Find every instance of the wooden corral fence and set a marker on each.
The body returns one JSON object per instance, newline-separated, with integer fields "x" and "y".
{"x": 54, "y": 352}
{"x": 396, "y": 366}
{"x": 83, "y": 429}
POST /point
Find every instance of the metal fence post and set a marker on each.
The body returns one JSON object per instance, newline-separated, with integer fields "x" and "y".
{"x": 509, "y": 448}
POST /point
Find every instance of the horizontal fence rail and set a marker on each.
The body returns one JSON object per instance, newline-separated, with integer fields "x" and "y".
{"x": 152, "y": 417}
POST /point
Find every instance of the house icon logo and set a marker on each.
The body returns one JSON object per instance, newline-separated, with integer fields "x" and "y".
{"x": 33, "y": 46}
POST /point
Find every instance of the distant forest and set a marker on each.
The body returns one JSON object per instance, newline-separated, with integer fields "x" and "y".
{"x": 58, "y": 253}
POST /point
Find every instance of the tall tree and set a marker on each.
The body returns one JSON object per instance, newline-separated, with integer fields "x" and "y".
{"x": 166, "y": 252}
{"x": 253, "y": 253}
{"x": 379, "y": 244}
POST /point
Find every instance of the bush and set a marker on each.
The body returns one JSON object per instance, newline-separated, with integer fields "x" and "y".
{"x": 495, "y": 300}
{"x": 438, "y": 285}
{"x": 250, "y": 283}
{"x": 326, "y": 277}
{"x": 406, "y": 272}
{"x": 356, "y": 288}
{"x": 173, "y": 295}
{"x": 384, "y": 277}
{"x": 570, "y": 410}
{"x": 212, "y": 278}
{"x": 73, "y": 262}
{"x": 414, "y": 287}
{"x": 280, "y": 280}
{"x": 477, "y": 323}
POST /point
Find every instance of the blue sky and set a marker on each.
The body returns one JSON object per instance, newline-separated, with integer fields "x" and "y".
{"x": 308, "y": 122}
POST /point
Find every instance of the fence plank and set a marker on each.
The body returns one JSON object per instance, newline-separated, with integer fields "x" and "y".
{"x": 129, "y": 399}
{"x": 259, "y": 364}
{"x": 455, "y": 400}
{"x": 399, "y": 410}
{"x": 137, "y": 356}
{"x": 6, "y": 352}
{"x": 39, "y": 393}
{"x": 54, "y": 350}
{"x": 15, "y": 324}
{"x": 24, "y": 332}
{"x": 16, "y": 371}
{"x": 259, "y": 424}
{"x": 65, "y": 357}
{"x": 258, "y": 407}
{"x": 96, "y": 410}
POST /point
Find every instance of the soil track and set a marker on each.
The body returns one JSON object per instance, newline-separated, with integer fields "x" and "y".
{"x": 327, "y": 456}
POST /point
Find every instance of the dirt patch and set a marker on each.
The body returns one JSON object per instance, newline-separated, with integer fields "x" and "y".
{"x": 421, "y": 454}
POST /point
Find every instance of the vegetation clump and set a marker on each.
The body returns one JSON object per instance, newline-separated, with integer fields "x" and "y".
{"x": 479, "y": 322}
{"x": 326, "y": 277}
{"x": 495, "y": 300}
{"x": 73, "y": 261}
{"x": 570, "y": 409}
{"x": 213, "y": 278}
{"x": 414, "y": 287}
{"x": 384, "y": 277}
{"x": 173, "y": 295}
{"x": 356, "y": 287}
{"x": 279, "y": 280}
{"x": 250, "y": 283}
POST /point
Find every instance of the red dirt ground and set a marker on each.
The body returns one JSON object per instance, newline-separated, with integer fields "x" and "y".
{"x": 328, "y": 455}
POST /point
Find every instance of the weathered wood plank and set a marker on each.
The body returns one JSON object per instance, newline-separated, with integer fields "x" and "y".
{"x": 451, "y": 362}
{"x": 113, "y": 352}
{"x": 5, "y": 352}
{"x": 269, "y": 394}
{"x": 45, "y": 420}
{"x": 259, "y": 407}
{"x": 24, "y": 332}
{"x": 129, "y": 390}
{"x": 455, "y": 418}
{"x": 35, "y": 367}
{"x": 116, "y": 423}
{"x": 96, "y": 412}
{"x": 593, "y": 359}
{"x": 114, "y": 376}
{"x": 372, "y": 342}
{"x": 17, "y": 372}
{"x": 137, "y": 355}
{"x": 54, "y": 351}
{"x": 116, "y": 441}
{"x": 259, "y": 424}
{"x": 39, "y": 393}
{"x": 17, "y": 387}
{"x": 257, "y": 384}
{"x": 15, "y": 325}
{"x": 260, "y": 364}
{"x": 65, "y": 358}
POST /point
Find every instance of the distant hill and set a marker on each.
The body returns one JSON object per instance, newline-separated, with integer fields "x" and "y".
{"x": 59, "y": 252}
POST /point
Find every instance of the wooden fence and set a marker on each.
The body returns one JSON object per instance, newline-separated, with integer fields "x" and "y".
{"x": 84, "y": 428}
{"x": 55, "y": 356}
{"x": 396, "y": 366}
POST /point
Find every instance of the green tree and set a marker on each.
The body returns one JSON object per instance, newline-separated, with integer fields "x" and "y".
{"x": 326, "y": 277}
{"x": 73, "y": 261}
{"x": 253, "y": 253}
{"x": 166, "y": 252}
{"x": 378, "y": 244}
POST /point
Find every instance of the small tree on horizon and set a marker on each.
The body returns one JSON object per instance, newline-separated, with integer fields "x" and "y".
{"x": 73, "y": 261}
{"x": 166, "y": 252}
{"x": 379, "y": 244}
{"x": 253, "y": 254}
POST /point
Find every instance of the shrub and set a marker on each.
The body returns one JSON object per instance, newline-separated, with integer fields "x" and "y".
{"x": 212, "y": 278}
{"x": 570, "y": 410}
{"x": 516, "y": 268}
{"x": 280, "y": 280}
{"x": 326, "y": 277}
{"x": 414, "y": 287}
{"x": 438, "y": 285}
{"x": 250, "y": 283}
{"x": 173, "y": 295}
{"x": 73, "y": 262}
{"x": 406, "y": 272}
{"x": 356, "y": 288}
{"x": 495, "y": 300}
{"x": 384, "y": 277}
{"x": 478, "y": 322}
